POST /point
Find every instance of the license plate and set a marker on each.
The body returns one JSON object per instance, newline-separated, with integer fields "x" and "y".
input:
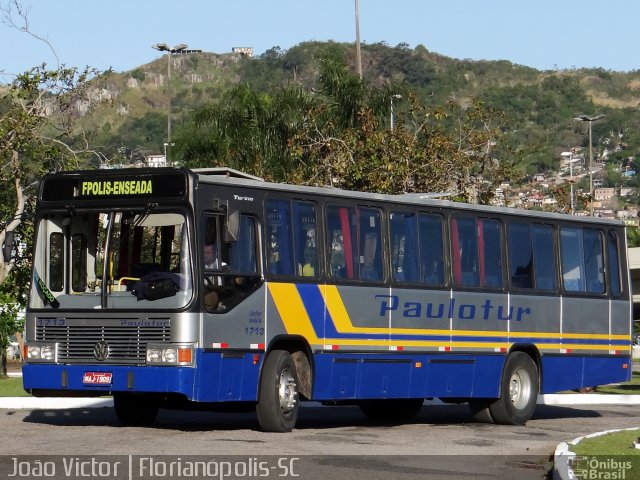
{"x": 97, "y": 378}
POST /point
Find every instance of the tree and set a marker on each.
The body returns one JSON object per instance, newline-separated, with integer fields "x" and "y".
{"x": 39, "y": 110}
{"x": 9, "y": 324}
{"x": 338, "y": 136}
{"x": 249, "y": 131}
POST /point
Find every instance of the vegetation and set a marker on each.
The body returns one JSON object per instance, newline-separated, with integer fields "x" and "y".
{"x": 618, "y": 443}
{"x": 12, "y": 387}
{"x": 627, "y": 388}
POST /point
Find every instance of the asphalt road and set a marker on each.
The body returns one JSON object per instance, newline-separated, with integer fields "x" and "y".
{"x": 443, "y": 441}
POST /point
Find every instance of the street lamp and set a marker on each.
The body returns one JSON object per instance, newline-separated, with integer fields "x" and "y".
{"x": 587, "y": 118}
{"x": 163, "y": 47}
{"x": 397, "y": 95}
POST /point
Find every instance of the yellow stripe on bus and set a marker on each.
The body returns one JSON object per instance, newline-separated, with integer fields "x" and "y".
{"x": 296, "y": 321}
{"x": 292, "y": 311}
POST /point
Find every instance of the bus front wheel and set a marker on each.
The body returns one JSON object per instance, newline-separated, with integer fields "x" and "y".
{"x": 278, "y": 401}
{"x": 135, "y": 410}
{"x": 519, "y": 391}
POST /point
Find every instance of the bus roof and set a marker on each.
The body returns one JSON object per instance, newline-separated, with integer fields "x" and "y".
{"x": 425, "y": 199}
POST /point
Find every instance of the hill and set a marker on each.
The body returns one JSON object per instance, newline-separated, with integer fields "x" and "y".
{"x": 540, "y": 105}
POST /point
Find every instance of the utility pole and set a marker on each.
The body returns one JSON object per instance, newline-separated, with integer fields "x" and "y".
{"x": 587, "y": 118}
{"x": 358, "y": 56}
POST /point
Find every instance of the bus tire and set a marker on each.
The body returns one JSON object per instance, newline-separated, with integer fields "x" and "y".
{"x": 278, "y": 402}
{"x": 519, "y": 391}
{"x": 392, "y": 409}
{"x": 135, "y": 410}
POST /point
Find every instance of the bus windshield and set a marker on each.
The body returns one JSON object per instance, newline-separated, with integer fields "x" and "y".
{"x": 112, "y": 259}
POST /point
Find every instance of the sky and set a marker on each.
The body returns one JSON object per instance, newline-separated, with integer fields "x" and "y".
{"x": 544, "y": 34}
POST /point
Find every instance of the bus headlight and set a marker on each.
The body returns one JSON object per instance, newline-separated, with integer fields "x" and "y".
{"x": 170, "y": 355}
{"x": 42, "y": 352}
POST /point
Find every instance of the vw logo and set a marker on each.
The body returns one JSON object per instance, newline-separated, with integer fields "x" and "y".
{"x": 101, "y": 350}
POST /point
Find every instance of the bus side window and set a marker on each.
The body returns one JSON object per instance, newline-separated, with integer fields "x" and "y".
{"x": 305, "y": 239}
{"x": 593, "y": 260}
{"x": 544, "y": 257}
{"x": 464, "y": 243}
{"x": 431, "y": 249}
{"x": 340, "y": 235}
{"x": 404, "y": 247}
{"x": 279, "y": 251}
{"x": 520, "y": 255}
{"x": 490, "y": 253}
{"x": 370, "y": 248}
{"x": 572, "y": 259}
{"x": 614, "y": 264}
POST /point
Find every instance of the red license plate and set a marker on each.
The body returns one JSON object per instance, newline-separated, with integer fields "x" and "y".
{"x": 97, "y": 378}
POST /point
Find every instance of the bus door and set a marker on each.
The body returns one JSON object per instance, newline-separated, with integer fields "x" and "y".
{"x": 230, "y": 283}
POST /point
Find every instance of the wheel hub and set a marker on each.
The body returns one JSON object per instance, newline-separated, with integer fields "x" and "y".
{"x": 287, "y": 391}
{"x": 520, "y": 388}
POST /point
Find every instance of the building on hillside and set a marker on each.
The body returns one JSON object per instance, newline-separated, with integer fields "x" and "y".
{"x": 603, "y": 194}
{"x": 627, "y": 191}
{"x": 571, "y": 162}
{"x": 244, "y": 51}
{"x": 155, "y": 161}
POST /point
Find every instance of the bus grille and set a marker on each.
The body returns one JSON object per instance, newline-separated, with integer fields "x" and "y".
{"x": 127, "y": 345}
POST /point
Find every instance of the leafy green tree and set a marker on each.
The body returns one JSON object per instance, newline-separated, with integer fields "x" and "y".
{"x": 248, "y": 130}
{"x": 36, "y": 131}
{"x": 38, "y": 114}
{"x": 339, "y": 136}
{"x": 9, "y": 325}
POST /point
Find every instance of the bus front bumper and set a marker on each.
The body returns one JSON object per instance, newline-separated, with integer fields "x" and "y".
{"x": 51, "y": 380}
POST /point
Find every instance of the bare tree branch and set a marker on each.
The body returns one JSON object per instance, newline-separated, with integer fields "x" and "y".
{"x": 12, "y": 9}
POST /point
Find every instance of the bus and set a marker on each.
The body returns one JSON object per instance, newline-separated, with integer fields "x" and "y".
{"x": 176, "y": 288}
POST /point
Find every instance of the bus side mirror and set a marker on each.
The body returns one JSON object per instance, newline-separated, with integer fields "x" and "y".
{"x": 232, "y": 228}
{"x": 7, "y": 246}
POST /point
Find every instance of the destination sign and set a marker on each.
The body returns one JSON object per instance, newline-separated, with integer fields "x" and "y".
{"x": 86, "y": 186}
{"x": 116, "y": 187}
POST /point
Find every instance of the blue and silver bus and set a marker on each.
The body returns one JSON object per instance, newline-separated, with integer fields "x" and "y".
{"x": 175, "y": 288}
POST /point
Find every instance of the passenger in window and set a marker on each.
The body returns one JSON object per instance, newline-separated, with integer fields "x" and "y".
{"x": 309, "y": 267}
{"x": 213, "y": 283}
{"x": 210, "y": 254}
{"x": 432, "y": 273}
{"x": 274, "y": 255}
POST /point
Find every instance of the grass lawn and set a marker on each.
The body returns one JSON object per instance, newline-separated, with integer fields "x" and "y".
{"x": 619, "y": 443}
{"x": 630, "y": 388}
{"x": 12, "y": 387}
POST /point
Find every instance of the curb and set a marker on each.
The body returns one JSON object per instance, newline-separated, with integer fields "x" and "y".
{"x": 587, "y": 399}
{"x": 563, "y": 457}
{"x": 35, "y": 403}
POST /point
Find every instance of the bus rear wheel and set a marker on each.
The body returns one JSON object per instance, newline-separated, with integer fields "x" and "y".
{"x": 519, "y": 391}
{"x": 278, "y": 402}
{"x": 392, "y": 409}
{"x": 135, "y": 410}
